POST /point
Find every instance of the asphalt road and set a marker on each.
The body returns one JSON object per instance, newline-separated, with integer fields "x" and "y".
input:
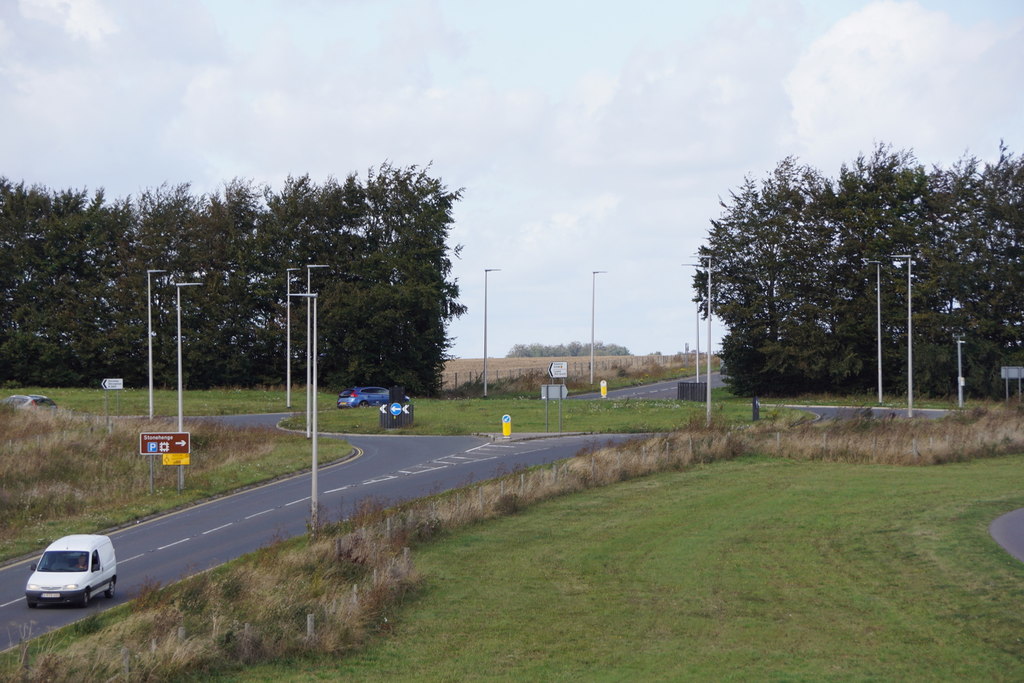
{"x": 384, "y": 468}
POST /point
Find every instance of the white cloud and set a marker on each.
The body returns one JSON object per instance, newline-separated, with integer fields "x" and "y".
{"x": 87, "y": 19}
{"x": 898, "y": 72}
{"x": 584, "y": 141}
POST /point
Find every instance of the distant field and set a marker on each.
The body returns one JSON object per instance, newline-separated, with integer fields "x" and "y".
{"x": 463, "y": 370}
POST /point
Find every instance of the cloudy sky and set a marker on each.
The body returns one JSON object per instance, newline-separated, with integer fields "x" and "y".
{"x": 587, "y": 134}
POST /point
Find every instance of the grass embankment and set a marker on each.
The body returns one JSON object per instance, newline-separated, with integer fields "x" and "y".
{"x": 64, "y": 473}
{"x": 807, "y": 553}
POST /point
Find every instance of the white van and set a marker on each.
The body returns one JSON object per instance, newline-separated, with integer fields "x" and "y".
{"x": 71, "y": 570}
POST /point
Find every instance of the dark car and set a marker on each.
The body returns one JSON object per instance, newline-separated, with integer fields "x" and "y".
{"x": 358, "y": 397}
{"x": 29, "y": 401}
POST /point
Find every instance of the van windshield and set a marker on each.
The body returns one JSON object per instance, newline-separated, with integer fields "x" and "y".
{"x": 64, "y": 561}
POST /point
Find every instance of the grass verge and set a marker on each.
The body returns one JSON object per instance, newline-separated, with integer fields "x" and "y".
{"x": 719, "y": 554}
{"x": 608, "y": 416}
{"x": 64, "y": 473}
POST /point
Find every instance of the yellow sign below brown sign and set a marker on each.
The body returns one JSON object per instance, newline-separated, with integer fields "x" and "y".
{"x": 176, "y": 459}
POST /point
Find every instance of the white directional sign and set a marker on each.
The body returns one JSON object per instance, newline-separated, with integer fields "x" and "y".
{"x": 553, "y": 392}
{"x": 558, "y": 369}
{"x": 113, "y": 383}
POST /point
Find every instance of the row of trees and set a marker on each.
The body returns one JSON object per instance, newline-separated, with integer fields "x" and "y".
{"x": 73, "y": 286}
{"x": 571, "y": 349}
{"x": 793, "y": 281}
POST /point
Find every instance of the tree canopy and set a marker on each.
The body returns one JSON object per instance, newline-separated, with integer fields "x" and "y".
{"x": 74, "y": 281}
{"x": 797, "y": 261}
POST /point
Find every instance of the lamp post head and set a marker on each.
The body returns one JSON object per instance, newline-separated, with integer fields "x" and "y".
{"x": 187, "y": 284}
{"x": 153, "y": 270}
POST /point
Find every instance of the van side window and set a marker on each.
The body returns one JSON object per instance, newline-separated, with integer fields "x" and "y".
{"x": 95, "y": 560}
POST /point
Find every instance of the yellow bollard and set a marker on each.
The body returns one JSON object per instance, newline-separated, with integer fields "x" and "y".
{"x": 506, "y": 426}
{"x": 604, "y": 389}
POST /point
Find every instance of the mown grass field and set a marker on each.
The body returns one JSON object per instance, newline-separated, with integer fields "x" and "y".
{"x": 763, "y": 569}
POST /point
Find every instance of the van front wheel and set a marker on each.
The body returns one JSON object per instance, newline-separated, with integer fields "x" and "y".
{"x": 109, "y": 593}
{"x": 85, "y": 597}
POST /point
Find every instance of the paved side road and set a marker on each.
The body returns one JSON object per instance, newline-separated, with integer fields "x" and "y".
{"x": 1008, "y": 531}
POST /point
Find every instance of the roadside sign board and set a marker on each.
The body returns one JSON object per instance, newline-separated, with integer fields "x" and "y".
{"x": 175, "y": 447}
{"x": 113, "y": 383}
{"x": 558, "y": 369}
{"x": 553, "y": 392}
{"x": 1011, "y": 372}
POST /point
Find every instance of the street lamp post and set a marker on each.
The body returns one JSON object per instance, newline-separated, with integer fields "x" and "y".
{"x": 910, "y": 335}
{"x": 311, "y": 362}
{"x": 149, "y": 335}
{"x": 878, "y": 322}
{"x": 486, "y": 271}
{"x": 288, "y": 337}
{"x": 697, "y": 265}
{"x": 181, "y": 418}
{"x": 593, "y": 310}
{"x": 310, "y": 397}
{"x": 959, "y": 374}
{"x": 696, "y": 362}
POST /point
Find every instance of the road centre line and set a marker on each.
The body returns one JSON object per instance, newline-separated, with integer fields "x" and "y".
{"x": 11, "y": 602}
{"x": 300, "y": 500}
{"x": 262, "y": 512}
{"x": 164, "y": 547}
{"x": 378, "y": 480}
{"x": 340, "y": 488}
{"x": 429, "y": 469}
{"x": 133, "y": 557}
{"x": 222, "y": 526}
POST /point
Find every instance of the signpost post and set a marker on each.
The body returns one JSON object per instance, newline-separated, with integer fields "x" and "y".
{"x": 556, "y": 370}
{"x": 175, "y": 447}
{"x": 112, "y": 384}
{"x": 550, "y": 392}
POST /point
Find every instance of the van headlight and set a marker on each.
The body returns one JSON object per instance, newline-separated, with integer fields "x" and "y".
{"x": 71, "y": 587}
{"x": 33, "y": 587}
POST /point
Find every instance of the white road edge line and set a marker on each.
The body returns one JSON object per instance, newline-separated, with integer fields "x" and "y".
{"x": 164, "y": 547}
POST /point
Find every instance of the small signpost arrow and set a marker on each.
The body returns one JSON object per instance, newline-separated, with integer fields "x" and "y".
{"x": 113, "y": 383}
{"x": 558, "y": 369}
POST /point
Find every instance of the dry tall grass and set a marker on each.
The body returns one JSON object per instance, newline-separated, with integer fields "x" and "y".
{"x": 58, "y": 465}
{"x": 324, "y": 595}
